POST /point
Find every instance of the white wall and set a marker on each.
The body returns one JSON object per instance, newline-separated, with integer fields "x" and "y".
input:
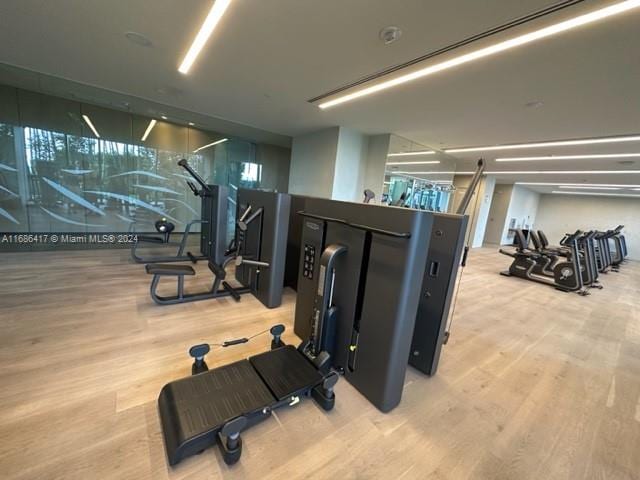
{"x": 498, "y": 214}
{"x": 523, "y": 208}
{"x": 377, "y": 151}
{"x": 338, "y": 163}
{"x": 560, "y": 214}
{"x": 350, "y": 166}
{"x": 313, "y": 159}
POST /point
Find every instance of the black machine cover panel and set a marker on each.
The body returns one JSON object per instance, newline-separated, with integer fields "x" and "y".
{"x": 286, "y": 371}
{"x": 266, "y": 241}
{"x": 202, "y": 403}
{"x": 213, "y": 231}
{"x": 390, "y": 290}
{"x": 438, "y": 285}
{"x": 389, "y": 307}
{"x": 294, "y": 239}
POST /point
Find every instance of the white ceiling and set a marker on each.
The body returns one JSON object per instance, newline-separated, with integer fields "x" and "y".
{"x": 267, "y": 58}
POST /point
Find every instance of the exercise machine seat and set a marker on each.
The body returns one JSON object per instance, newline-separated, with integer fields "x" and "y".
{"x": 194, "y": 409}
{"x": 285, "y": 371}
{"x": 167, "y": 269}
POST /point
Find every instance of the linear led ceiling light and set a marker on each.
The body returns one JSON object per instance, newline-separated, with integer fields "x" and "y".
{"x": 537, "y": 172}
{"x": 88, "y": 122}
{"x": 430, "y": 173}
{"x": 430, "y": 162}
{"x": 210, "y": 145}
{"x": 215, "y": 14}
{"x": 577, "y": 184}
{"x": 582, "y": 187}
{"x": 520, "y": 40}
{"x": 407, "y": 154}
{"x": 568, "y": 157}
{"x": 598, "y": 194}
{"x": 561, "y": 172}
{"x": 152, "y": 124}
{"x": 558, "y": 143}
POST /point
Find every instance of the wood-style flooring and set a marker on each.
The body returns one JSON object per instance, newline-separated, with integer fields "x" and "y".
{"x": 534, "y": 383}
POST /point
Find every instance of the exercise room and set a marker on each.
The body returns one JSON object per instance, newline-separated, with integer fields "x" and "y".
{"x": 359, "y": 239}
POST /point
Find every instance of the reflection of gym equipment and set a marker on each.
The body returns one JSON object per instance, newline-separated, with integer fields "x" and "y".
{"x": 255, "y": 248}
{"x": 165, "y": 229}
{"x": 212, "y": 204}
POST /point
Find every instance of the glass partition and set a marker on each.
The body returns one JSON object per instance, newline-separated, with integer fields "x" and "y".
{"x": 71, "y": 167}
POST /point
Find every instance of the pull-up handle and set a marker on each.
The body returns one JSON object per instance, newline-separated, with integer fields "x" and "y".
{"x": 367, "y": 228}
{"x": 184, "y": 164}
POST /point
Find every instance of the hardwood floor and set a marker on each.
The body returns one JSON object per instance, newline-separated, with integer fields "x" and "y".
{"x": 534, "y": 383}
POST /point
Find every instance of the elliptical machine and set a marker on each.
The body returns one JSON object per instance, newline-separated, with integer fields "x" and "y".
{"x": 566, "y": 274}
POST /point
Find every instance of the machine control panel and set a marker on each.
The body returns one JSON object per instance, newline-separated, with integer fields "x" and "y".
{"x": 309, "y": 261}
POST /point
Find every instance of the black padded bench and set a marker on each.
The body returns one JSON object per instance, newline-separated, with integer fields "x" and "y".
{"x": 168, "y": 269}
{"x": 194, "y": 411}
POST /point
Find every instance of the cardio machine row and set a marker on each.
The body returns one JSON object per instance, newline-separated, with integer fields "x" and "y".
{"x": 575, "y": 265}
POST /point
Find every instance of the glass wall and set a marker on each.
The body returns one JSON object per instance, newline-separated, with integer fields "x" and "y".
{"x": 72, "y": 167}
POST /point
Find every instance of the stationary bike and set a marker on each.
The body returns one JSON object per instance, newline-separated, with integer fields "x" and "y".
{"x": 567, "y": 274}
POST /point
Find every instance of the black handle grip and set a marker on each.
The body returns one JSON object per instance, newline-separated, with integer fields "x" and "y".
{"x": 465, "y": 254}
{"x": 237, "y": 341}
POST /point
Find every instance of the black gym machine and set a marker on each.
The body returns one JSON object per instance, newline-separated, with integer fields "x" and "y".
{"x": 257, "y": 250}
{"x": 367, "y": 276}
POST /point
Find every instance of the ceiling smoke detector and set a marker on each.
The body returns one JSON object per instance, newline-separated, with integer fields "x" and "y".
{"x": 390, "y": 34}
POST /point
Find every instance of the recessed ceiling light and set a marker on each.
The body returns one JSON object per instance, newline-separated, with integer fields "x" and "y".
{"x": 524, "y": 39}
{"x": 210, "y": 145}
{"x": 152, "y": 124}
{"x": 583, "y": 187}
{"x": 164, "y": 117}
{"x": 93, "y": 129}
{"x": 577, "y": 184}
{"x": 558, "y": 143}
{"x": 409, "y": 154}
{"x": 138, "y": 39}
{"x": 568, "y": 157}
{"x": 430, "y": 162}
{"x": 597, "y": 194}
{"x": 215, "y": 14}
{"x": 191, "y": 124}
